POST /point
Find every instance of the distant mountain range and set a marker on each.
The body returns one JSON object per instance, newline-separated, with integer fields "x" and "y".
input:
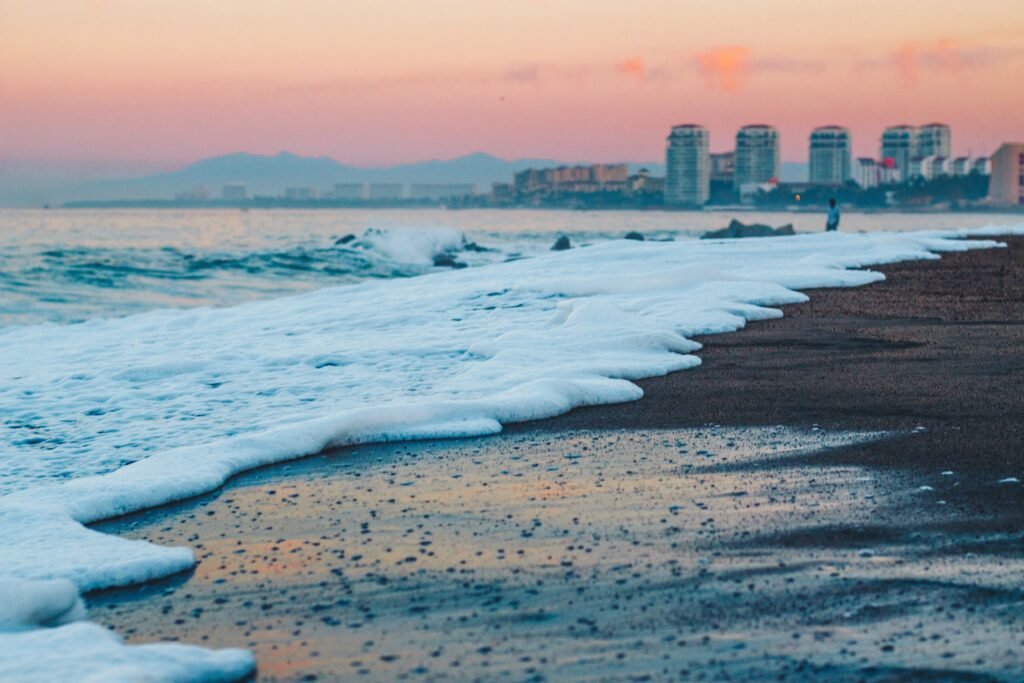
{"x": 270, "y": 175}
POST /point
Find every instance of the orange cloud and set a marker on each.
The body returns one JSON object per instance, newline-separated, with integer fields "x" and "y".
{"x": 634, "y": 67}
{"x": 724, "y": 67}
{"x": 945, "y": 55}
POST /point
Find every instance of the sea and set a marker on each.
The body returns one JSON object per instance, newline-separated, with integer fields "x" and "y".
{"x": 148, "y": 356}
{"x": 68, "y": 266}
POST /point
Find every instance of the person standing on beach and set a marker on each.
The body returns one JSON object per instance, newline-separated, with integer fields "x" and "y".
{"x": 833, "y": 216}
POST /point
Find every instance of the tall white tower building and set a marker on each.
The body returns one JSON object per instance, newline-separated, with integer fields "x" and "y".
{"x": 830, "y": 156}
{"x": 688, "y": 172}
{"x": 934, "y": 140}
{"x": 757, "y": 155}
{"x": 899, "y": 143}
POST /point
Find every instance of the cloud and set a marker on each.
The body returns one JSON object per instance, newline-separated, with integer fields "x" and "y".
{"x": 525, "y": 74}
{"x": 634, "y": 68}
{"x": 945, "y": 56}
{"x": 724, "y": 68}
{"x": 729, "y": 68}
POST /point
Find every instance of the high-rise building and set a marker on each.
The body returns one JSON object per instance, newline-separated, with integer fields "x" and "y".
{"x": 830, "y": 156}
{"x": 757, "y": 155}
{"x": 688, "y": 172}
{"x": 934, "y": 139}
{"x": 1006, "y": 185}
{"x": 899, "y": 143}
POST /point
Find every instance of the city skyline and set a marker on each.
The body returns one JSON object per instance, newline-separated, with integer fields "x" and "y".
{"x": 92, "y": 82}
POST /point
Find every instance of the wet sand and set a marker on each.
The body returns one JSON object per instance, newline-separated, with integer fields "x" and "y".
{"x": 938, "y": 344}
{"x": 636, "y": 542}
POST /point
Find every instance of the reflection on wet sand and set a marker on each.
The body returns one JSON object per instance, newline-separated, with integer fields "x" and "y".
{"x": 622, "y": 555}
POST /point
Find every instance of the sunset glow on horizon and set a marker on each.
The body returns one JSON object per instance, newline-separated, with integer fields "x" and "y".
{"x": 386, "y": 81}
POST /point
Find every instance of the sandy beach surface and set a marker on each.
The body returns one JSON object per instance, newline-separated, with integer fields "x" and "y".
{"x": 831, "y": 496}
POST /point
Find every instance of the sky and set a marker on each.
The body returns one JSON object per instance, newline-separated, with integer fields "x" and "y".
{"x": 159, "y": 83}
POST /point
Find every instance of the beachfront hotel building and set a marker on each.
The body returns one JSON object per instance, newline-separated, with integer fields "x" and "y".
{"x": 934, "y": 140}
{"x": 541, "y": 182}
{"x": 830, "y": 156}
{"x": 688, "y": 166}
{"x": 1006, "y": 185}
{"x": 899, "y": 143}
{"x": 757, "y": 156}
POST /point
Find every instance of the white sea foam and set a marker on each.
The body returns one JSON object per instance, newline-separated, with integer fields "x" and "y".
{"x": 412, "y": 245}
{"x": 111, "y": 416}
{"x": 92, "y": 654}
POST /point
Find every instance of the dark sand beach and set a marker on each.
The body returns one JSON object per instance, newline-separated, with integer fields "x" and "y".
{"x": 746, "y": 520}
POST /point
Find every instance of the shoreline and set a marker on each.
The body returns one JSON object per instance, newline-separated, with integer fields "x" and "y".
{"x": 922, "y": 349}
{"x": 328, "y": 206}
{"x": 937, "y": 344}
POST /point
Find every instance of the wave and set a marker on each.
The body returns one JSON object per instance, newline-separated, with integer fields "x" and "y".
{"x": 73, "y": 284}
{"x": 111, "y": 416}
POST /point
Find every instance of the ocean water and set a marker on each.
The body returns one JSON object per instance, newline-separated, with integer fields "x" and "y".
{"x": 69, "y": 266}
{"x": 159, "y": 380}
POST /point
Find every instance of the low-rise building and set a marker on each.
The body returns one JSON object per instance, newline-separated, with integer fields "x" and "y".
{"x": 503, "y": 193}
{"x": 386, "y": 191}
{"x": 438, "y": 191}
{"x": 349, "y": 191}
{"x": 941, "y": 166}
{"x": 609, "y": 174}
{"x": 889, "y": 173}
{"x": 723, "y": 166}
{"x": 919, "y": 168}
{"x": 962, "y": 166}
{"x": 299, "y": 194}
{"x": 867, "y": 172}
{"x": 199, "y": 193}
{"x": 749, "y": 192}
{"x": 233, "y": 192}
{"x": 643, "y": 183}
{"x": 539, "y": 182}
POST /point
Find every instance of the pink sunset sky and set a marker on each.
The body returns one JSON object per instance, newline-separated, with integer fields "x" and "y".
{"x": 160, "y": 83}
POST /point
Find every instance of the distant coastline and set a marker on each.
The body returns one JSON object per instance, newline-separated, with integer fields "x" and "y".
{"x": 274, "y": 203}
